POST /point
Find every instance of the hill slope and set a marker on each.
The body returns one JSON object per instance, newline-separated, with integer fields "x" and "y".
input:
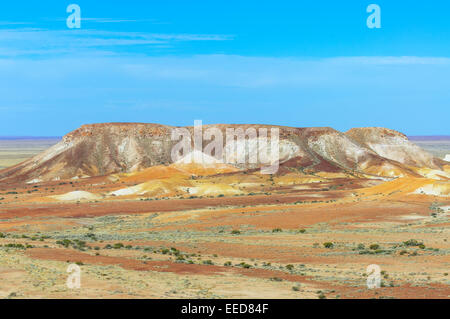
{"x": 103, "y": 149}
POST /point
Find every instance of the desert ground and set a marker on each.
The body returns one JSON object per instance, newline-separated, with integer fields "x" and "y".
{"x": 438, "y": 146}
{"x": 232, "y": 234}
{"x": 16, "y": 150}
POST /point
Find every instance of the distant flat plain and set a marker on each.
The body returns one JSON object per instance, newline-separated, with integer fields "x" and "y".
{"x": 14, "y": 150}
{"x": 439, "y": 146}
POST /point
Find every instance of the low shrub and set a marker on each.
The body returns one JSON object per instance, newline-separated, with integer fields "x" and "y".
{"x": 328, "y": 245}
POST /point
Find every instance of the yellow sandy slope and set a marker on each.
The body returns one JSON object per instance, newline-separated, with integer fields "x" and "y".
{"x": 409, "y": 185}
{"x": 176, "y": 171}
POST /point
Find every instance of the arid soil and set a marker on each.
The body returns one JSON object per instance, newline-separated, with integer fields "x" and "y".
{"x": 270, "y": 244}
{"x": 140, "y": 226}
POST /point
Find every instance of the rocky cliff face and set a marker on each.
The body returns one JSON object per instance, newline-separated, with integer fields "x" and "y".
{"x": 102, "y": 149}
{"x": 393, "y": 145}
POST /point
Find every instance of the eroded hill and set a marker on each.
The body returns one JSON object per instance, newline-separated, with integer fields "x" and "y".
{"x": 111, "y": 148}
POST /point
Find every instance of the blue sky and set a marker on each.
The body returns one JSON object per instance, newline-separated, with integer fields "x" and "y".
{"x": 296, "y": 63}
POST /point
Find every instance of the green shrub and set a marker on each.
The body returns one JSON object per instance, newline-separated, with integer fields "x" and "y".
{"x": 65, "y": 242}
{"x": 19, "y": 246}
{"x": 412, "y": 242}
{"x": 328, "y": 245}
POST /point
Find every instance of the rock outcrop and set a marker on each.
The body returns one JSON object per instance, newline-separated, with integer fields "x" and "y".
{"x": 103, "y": 149}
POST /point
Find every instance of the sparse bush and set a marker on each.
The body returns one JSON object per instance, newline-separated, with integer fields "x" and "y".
{"x": 79, "y": 244}
{"x": 412, "y": 242}
{"x": 328, "y": 244}
{"x": 65, "y": 242}
{"x": 91, "y": 236}
{"x": 19, "y": 246}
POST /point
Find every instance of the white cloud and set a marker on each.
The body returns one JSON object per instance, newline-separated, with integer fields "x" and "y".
{"x": 391, "y": 60}
{"x": 35, "y": 41}
{"x": 13, "y": 23}
{"x": 112, "y": 20}
{"x": 349, "y": 91}
{"x": 234, "y": 71}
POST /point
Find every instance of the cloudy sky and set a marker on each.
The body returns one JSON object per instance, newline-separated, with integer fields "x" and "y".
{"x": 290, "y": 63}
